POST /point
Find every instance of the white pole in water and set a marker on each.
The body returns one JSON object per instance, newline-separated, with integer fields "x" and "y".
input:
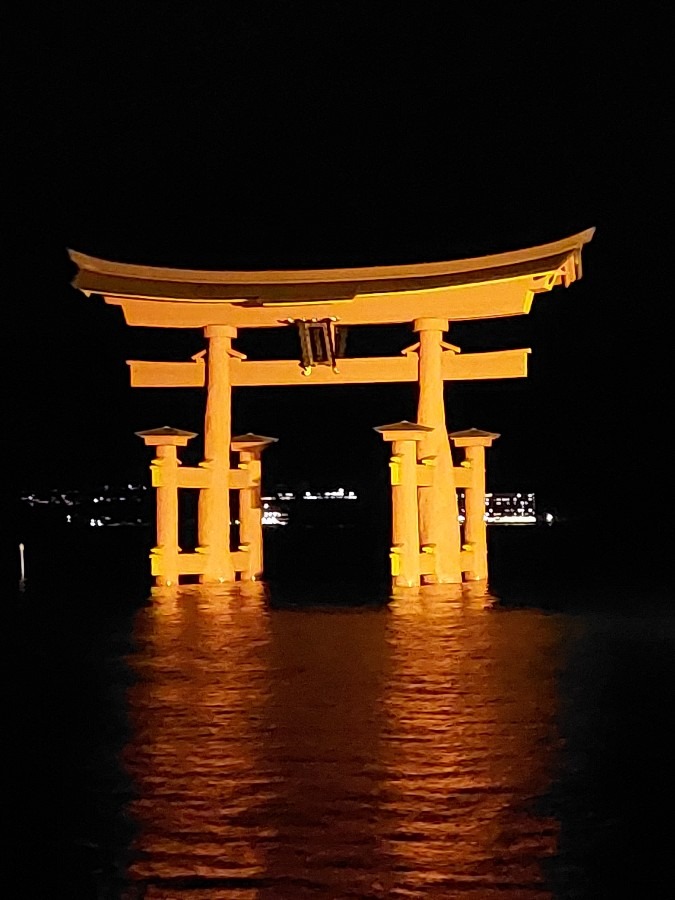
{"x": 22, "y": 563}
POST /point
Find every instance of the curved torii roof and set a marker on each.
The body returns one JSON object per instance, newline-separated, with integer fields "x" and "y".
{"x": 481, "y": 287}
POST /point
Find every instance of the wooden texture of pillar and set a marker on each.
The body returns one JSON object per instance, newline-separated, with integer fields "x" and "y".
{"x": 165, "y": 558}
{"x": 475, "y": 527}
{"x": 250, "y": 447}
{"x": 250, "y": 516}
{"x": 474, "y": 441}
{"x": 438, "y": 511}
{"x": 214, "y": 501}
{"x": 405, "y": 536}
{"x": 167, "y": 514}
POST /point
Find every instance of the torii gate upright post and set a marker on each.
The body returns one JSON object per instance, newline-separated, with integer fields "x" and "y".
{"x": 250, "y": 448}
{"x": 165, "y": 555}
{"x": 405, "y": 534}
{"x": 474, "y": 441}
{"x": 438, "y": 512}
{"x": 214, "y": 501}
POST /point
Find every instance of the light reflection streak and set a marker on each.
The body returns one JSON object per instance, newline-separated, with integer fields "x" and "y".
{"x": 471, "y": 732}
{"x": 378, "y": 752}
{"x": 324, "y": 720}
{"x": 195, "y": 710}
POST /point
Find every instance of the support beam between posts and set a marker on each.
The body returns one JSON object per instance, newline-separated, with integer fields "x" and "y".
{"x": 214, "y": 501}
{"x": 438, "y": 512}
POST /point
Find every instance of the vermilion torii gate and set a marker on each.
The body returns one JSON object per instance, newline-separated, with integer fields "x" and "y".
{"x": 428, "y": 544}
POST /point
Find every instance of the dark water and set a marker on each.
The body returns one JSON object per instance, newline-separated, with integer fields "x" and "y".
{"x": 313, "y": 738}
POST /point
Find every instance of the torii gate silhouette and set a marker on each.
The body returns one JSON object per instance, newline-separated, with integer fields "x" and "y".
{"x": 428, "y": 543}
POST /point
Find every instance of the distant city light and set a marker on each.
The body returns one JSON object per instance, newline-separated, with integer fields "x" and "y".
{"x": 505, "y": 508}
{"x": 500, "y": 508}
{"x": 275, "y": 517}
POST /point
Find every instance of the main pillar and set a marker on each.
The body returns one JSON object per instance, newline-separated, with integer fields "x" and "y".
{"x": 250, "y": 448}
{"x": 474, "y": 443}
{"x": 438, "y": 512}
{"x": 214, "y": 501}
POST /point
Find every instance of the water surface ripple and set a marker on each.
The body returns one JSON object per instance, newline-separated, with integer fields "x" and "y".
{"x": 378, "y": 751}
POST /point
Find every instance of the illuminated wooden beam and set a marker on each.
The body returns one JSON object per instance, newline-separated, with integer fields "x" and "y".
{"x": 490, "y": 299}
{"x": 168, "y": 374}
{"x": 260, "y": 373}
{"x": 477, "y": 366}
{"x": 193, "y": 477}
{"x": 200, "y": 477}
{"x": 463, "y": 477}
{"x": 379, "y": 369}
{"x": 191, "y": 563}
{"x": 195, "y": 563}
{"x": 478, "y": 287}
{"x": 240, "y": 479}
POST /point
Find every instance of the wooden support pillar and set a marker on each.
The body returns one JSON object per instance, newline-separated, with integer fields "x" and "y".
{"x": 405, "y": 536}
{"x": 438, "y": 512}
{"x": 250, "y": 448}
{"x": 214, "y": 501}
{"x": 164, "y": 556}
{"x": 250, "y": 517}
{"x": 474, "y": 443}
{"x": 167, "y": 514}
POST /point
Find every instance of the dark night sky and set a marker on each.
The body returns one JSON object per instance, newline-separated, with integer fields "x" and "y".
{"x": 285, "y": 135}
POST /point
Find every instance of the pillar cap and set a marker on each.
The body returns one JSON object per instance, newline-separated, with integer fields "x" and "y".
{"x": 403, "y": 431}
{"x": 429, "y": 323}
{"x": 166, "y": 435}
{"x": 473, "y": 437}
{"x": 213, "y": 331}
{"x": 250, "y": 441}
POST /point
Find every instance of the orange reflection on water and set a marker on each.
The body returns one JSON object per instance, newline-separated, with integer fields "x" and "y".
{"x": 194, "y": 712}
{"x": 325, "y": 720}
{"x": 470, "y": 739}
{"x": 371, "y": 752}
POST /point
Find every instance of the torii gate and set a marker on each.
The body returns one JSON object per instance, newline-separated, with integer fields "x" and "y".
{"x": 427, "y": 539}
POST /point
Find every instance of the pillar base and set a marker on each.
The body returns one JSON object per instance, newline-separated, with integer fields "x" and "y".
{"x": 161, "y": 589}
{"x": 216, "y": 579}
{"x": 441, "y": 579}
